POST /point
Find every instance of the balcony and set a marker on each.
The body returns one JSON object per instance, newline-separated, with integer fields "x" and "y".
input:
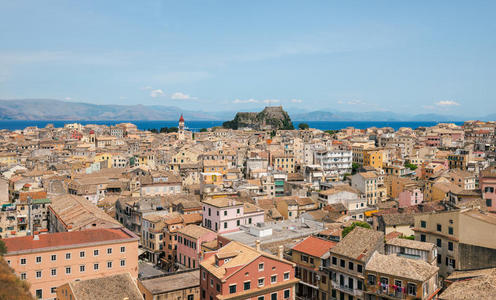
{"x": 388, "y": 292}
{"x": 346, "y": 289}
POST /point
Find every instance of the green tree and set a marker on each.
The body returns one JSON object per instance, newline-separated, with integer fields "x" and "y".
{"x": 272, "y": 134}
{"x": 153, "y": 130}
{"x": 354, "y": 168}
{"x": 163, "y": 130}
{"x": 411, "y": 166}
{"x": 348, "y": 229}
{"x": 172, "y": 129}
{"x": 203, "y": 130}
{"x": 303, "y": 126}
{"x": 3, "y": 248}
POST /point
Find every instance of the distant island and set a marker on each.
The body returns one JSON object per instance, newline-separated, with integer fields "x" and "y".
{"x": 271, "y": 118}
{"x": 57, "y": 110}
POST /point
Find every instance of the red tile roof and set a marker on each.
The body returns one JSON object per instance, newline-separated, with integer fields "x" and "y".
{"x": 314, "y": 246}
{"x": 67, "y": 239}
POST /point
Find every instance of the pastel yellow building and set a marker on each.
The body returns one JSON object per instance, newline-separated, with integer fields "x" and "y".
{"x": 373, "y": 158}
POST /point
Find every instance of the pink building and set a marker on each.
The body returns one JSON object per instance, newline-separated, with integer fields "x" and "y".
{"x": 48, "y": 261}
{"x": 487, "y": 183}
{"x": 237, "y": 271}
{"x": 410, "y": 197}
{"x": 189, "y": 241}
{"x": 226, "y": 215}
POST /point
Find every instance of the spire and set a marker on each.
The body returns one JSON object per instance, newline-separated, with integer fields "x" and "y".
{"x": 181, "y": 119}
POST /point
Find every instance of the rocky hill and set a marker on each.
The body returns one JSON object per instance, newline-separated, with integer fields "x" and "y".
{"x": 272, "y": 117}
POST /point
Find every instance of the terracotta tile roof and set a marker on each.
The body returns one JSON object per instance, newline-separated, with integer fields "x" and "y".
{"x": 114, "y": 287}
{"x": 71, "y": 239}
{"x": 23, "y": 196}
{"x": 174, "y": 282}
{"x": 314, "y": 246}
{"x": 244, "y": 255}
{"x": 415, "y": 269}
{"x": 194, "y": 231}
{"x": 359, "y": 244}
{"x": 222, "y": 202}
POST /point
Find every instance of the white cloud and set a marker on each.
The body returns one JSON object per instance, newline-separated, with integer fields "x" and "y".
{"x": 67, "y": 98}
{"x": 147, "y": 88}
{"x": 245, "y": 101}
{"x": 269, "y": 101}
{"x": 445, "y": 103}
{"x": 355, "y": 102}
{"x": 156, "y": 93}
{"x": 182, "y": 96}
{"x": 296, "y": 100}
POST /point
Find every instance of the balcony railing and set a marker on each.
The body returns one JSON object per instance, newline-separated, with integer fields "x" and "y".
{"x": 387, "y": 291}
{"x": 346, "y": 289}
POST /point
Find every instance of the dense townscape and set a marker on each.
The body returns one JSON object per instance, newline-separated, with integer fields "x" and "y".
{"x": 253, "y": 210}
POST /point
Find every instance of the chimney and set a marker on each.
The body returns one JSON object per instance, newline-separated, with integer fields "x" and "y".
{"x": 170, "y": 209}
{"x": 257, "y": 245}
{"x": 280, "y": 251}
{"x": 36, "y": 236}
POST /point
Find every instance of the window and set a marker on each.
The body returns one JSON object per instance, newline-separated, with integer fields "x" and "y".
{"x": 359, "y": 268}
{"x": 217, "y": 287}
{"x": 360, "y": 284}
{"x": 439, "y": 258}
{"x": 53, "y": 272}
{"x": 412, "y": 289}
{"x": 82, "y": 254}
{"x": 109, "y": 265}
{"x": 82, "y": 268}
{"x": 109, "y": 250}
{"x": 450, "y": 230}
{"x": 123, "y": 262}
{"x": 54, "y": 257}
{"x": 39, "y": 294}
{"x": 350, "y": 282}
{"x": 439, "y": 227}
{"x": 95, "y": 252}
{"x": 246, "y": 285}
{"x": 438, "y": 243}
{"x": 311, "y": 260}
{"x": 123, "y": 249}
{"x": 23, "y": 261}
{"x": 237, "y": 211}
{"x": 371, "y": 279}
{"x": 260, "y": 266}
{"x": 286, "y": 275}
{"x": 67, "y": 270}
{"x": 273, "y": 296}
{"x": 489, "y": 202}
{"x": 350, "y": 265}
{"x": 287, "y": 294}
{"x": 204, "y": 275}
{"x": 53, "y": 290}
{"x": 232, "y": 289}
{"x": 68, "y": 255}
{"x": 38, "y": 274}
{"x": 237, "y": 223}
{"x": 261, "y": 281}
{"x": 95, "y": 267}
{"x": 225, "y": 225}
{"x": 38, "y": 259}
{"x": 423, "y": 224}
{"x": 422, "y": 237}
{"x": 260, "y": 298}
{"x": 304, "y": 258}
{"x": 23, "y": 276}
{"x": 273, "y": 279}
{"x": 342, "y": 263}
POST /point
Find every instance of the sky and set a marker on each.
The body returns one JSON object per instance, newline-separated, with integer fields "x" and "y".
{"x": 401, "y": 56}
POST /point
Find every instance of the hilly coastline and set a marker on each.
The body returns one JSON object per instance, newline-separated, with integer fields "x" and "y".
{"x": 57, "y": 110}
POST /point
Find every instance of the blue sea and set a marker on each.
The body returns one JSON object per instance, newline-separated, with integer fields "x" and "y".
{"x": 197, "y": 125}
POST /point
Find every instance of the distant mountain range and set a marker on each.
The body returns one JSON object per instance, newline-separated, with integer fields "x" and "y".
{"x": 50, "y": 109}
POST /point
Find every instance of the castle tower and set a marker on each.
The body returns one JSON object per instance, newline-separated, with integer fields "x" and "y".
{"x": 180, "y": 128}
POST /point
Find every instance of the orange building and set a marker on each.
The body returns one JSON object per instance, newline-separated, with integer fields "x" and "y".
{"x": 48, "y": 261}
